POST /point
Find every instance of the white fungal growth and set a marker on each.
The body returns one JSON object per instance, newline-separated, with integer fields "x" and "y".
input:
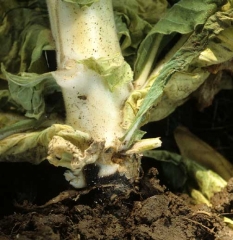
{"x": 90, "y": 105}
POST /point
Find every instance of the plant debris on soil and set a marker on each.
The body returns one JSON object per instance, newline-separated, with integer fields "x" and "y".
{"x": 37, "y": 203}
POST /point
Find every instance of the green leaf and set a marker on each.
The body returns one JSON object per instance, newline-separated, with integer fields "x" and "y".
{"x": 28, "y": 91}
{"x": 173, "y": 167}
{"x": 134, "y": 20}
{"x": 24, "y": 35}
{"x": 179, "y": 62}
{"x": 4, "y": 98}
{"x": 22, "y": 125}
{"x": 184, "y": 17}
{"x": 115, "y": 71}
{"x": 152, "y": 10}
{"x": 131, "y": 27}
{"x": 208, "y": 181}
{"x": 182, "y": 73}
{"x": 218, "y": 49}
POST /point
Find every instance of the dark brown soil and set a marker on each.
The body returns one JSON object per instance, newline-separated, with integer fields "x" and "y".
{"x": 147, "y": 212}
{"x": 36, "y": 202}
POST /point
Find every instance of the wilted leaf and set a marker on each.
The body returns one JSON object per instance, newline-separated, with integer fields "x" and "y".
{"x": 24, "y": 35}
{"x": 199, "y": 197}
{"x": 194, "y": 148}
{"x": 208, "y": 181}
{"x": 182, "y": 18}
{"x": 182, "y": 73}
{"x": 206, "y": 92}
{"x": 33, "y": 146}
{"x": 28, "y": 91}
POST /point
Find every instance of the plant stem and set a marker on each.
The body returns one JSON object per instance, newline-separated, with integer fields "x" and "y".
{"x": 81, "y": 33}
{"x": 84, "y": 33}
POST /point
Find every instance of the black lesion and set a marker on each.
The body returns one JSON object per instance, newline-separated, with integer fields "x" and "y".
{"x": 82, "y": 97}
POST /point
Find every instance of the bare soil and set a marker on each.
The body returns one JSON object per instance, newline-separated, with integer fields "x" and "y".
{"x": 36, "y": 202}
{"x": 148, "y": 211}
